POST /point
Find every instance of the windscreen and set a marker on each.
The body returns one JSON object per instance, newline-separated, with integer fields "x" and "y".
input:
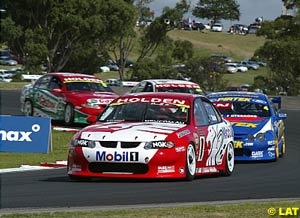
{"x": 146, "y": 112}
{"x": 87, "y": 86}
{"x": 243, "y": 108}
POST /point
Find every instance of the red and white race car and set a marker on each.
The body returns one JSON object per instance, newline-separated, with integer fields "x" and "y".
{"x": 69, "y": 97}
{"x": 168, "y": 85}
{"x": 154, "y": 135}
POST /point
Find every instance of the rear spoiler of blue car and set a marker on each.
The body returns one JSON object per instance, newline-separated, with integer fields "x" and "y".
{"x": 276, "y": 100}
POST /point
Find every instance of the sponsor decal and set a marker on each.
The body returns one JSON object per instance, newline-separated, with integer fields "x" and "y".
{"x": 18, "y": 136}
{"x": 183, "y": 133}
{"x": 82, "y": 142}
{"x": 99, "y": 101}
{"x": 181, "y": 170}
{"x": 161, "y": 144}
{"x": 206, "y": 170}
{"x": 193, "y": 86}
{"x": 271, "y": 148}
{"x": 180, "y": 149}
{"x": 223, "y": 105}
{"x": 25, "y": 134}
{"x": 164, "y": 121}
{"x": 234, "y": 99}
{"x": 248, "y": 144}
{"x": 242, "y": 115}
{"x": 75, "y": 168}
{"x": 152, "y": 100}
{"x": 216, "y": 145}
{"x": 201, "y": 149}
{"x": 238, "y": 144}
{"x": 196, "y": 138}
{"x": 256, "y": 154}
{"x": 117, "y": 156}
{"x": 201, "y": 132}
{"x": 271, "y": 142}
{"x": 244, "y": 124}
{"x": 271, "y": 154}
{"x": 45, "y": 101}
{"x": 82, "y": 79}
{"x": 166, "y": 169}
{"x": 227, "y": 132}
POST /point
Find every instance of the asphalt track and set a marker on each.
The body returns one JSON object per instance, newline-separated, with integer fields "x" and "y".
{"x": 53, "y": 189}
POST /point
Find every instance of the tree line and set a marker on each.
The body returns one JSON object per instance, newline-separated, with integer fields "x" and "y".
{"x": 81, "y": 35}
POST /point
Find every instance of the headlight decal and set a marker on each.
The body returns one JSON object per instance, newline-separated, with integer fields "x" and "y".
{"x": 83, "y": 143}
{"x": 159, "y": 144}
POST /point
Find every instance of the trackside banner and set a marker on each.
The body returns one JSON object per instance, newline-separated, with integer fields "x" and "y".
{"x": 25, "y": 134}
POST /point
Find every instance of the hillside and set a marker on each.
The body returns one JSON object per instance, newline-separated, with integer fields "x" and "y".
{"x": 238, "y": 47}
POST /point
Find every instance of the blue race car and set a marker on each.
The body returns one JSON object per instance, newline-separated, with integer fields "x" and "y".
{"x": 257, "y": 123}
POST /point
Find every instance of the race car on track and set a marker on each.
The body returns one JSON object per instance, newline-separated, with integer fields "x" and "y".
{"x": 257, "y": 123}
{"x": 168, "y": 85}
{"x": 69, "y": 97}
{"x": 154, "y": 135}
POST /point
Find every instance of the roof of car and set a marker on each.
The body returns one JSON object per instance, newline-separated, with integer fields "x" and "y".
{"x": 70, "y": 74}
{"x": 239, "y": 94}
{"x": 64, "y": 75}
{"x": 170, "y": 81}
{"x": 161, "y": 95}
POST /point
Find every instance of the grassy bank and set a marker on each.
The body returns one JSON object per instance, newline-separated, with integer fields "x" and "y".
{"x": 245, "y": 210}
{"x": 60, "y": 145}
{"x": 237, "y": 46}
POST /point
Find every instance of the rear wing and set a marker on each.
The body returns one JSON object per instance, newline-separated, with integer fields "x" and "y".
{"x": 30, "y": 77}
{"x": 276, "y": 100}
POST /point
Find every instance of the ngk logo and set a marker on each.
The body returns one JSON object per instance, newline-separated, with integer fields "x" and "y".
{"x": 19, "y": 136}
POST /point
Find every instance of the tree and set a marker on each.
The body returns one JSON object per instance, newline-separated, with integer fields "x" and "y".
{"x": 205, "y": 71}
{"x": 183, "y": 50}
{"x": 156, "y": 33}
{"x": 51, "y": 31}
{"x": 282, "y": 51}
{"x": 217, "y": 10}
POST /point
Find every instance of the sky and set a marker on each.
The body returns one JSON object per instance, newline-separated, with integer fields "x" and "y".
{"x": 249, "y": 9}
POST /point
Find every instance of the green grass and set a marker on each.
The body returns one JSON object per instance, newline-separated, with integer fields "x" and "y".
{"x": 60, "y": 145}
{"x": 239, "y": 78}
{"x": 237, "y": 46}
{"x": 13, "y": 85}
{"x": 245, "y": 210}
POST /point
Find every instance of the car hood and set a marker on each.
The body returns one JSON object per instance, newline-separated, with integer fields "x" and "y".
{"x": 95, "y": 97}
{"x": 129, "y": 131}
{"x": 249, "y": 124}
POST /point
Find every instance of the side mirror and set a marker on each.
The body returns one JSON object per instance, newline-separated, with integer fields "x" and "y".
{"x": 282, "y": 116}
{"x": 91, "y": 119}
{"x": 57, "y": 90}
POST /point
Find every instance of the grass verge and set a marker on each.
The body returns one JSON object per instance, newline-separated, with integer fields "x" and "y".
{"x": 60, "y": 145}
{"x": 245, "y": 210}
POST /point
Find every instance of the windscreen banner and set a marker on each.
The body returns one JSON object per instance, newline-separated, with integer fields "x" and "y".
{"x": 25, "y": 134}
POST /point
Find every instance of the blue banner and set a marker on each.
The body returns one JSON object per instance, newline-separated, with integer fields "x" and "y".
{"x": 25, "y": 134}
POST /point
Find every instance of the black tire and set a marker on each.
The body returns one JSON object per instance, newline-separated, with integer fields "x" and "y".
{"x": 276, "y": 149}
{"x": 80, "y": 178}
{"x": 69, "y": 114}
{"x": 190, "y": 163}
{"x": 28, "y": 108}
{"x": 283, "y": 148}
{"x": 229, "y": 160}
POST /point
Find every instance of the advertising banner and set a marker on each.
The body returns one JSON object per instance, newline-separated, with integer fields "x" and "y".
{"x": 25, "y": 134}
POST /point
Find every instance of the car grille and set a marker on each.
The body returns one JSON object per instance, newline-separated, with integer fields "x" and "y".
{"x": 242, "y": 152}
{"x": 134, "y": 168}
{"x": 113, "y": 144}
